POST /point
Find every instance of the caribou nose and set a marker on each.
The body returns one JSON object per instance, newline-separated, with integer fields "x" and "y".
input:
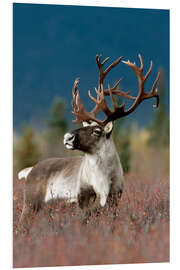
{"x": 68, "y": 140}
{"x": 69, "y": 137}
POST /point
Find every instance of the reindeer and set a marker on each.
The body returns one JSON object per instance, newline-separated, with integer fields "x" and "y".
{"x": 92, "y": 179}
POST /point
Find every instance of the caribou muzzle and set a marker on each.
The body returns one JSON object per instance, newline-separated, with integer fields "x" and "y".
{"x": 69, "y": 140}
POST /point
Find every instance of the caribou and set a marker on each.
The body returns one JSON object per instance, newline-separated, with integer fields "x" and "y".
{"x": 92, "y": 179}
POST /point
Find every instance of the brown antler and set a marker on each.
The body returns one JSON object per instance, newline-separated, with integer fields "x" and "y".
{"x": 141, "y": 80}
{"x": 102, "y": 75}
{"x": 119, "y": 111}
{"x": 78, "y": 109}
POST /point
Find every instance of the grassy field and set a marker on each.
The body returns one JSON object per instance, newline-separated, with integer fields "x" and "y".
{"x": 137, "y": 231}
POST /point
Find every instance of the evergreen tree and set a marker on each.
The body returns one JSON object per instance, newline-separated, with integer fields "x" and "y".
{"x": 26, "y": 150}
{"x": 159, "y": 129}
{"x": 57, "y": 126}
{"x": 121, "y": 135}
{"x": 57, "y": 122}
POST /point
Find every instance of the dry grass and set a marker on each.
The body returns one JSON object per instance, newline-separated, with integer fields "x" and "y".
{"x": 137, "y": 231}
{"x": 146, "y": 160}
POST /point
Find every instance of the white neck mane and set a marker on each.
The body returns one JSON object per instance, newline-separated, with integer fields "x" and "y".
{"x": 99, "y": 169}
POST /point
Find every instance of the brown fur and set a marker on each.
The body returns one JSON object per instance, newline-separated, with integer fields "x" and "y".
{"x": 37, "y": 180}
{"x": 86, "y": 140}
{"x": 86, "y": 197}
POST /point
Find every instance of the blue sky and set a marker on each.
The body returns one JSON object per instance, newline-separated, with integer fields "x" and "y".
{"x": 54, "y": 44}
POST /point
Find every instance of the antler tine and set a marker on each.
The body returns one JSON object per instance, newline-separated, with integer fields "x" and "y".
{"x": 116, "y": 84}
{"x": 155, "y": 82}
{"x": 96, "y": 109}
{"x": 154, "y": 91}
{"x": 105, "y": 60}
{"x": 112, "y": 65}
{"x": 118, "y": 92}
{"x": 141, "y": 61}
{"x": 112, "y": 98}
{"x": 91, "y": 97}
{"x": 74, "y": 92}
{"x": 148, "y": 72}
{"x": 98, "y": 60}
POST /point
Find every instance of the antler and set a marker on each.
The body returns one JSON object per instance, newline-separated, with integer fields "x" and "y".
{"x": 78, "y": 108}
{"x": 141, "y": 80}
{"x": 118, "y": 111}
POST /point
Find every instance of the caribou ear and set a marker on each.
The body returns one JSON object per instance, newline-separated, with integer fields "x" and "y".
{"x": 108, "y": 127}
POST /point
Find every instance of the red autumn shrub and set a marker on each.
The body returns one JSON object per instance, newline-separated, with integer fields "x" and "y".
{"x": 136, "y": 231}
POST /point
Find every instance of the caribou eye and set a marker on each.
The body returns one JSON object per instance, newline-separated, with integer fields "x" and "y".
{"x": 96, "y": 132}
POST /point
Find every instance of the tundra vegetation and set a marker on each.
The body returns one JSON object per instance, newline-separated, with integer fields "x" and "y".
{"x": 136, "y": 230}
